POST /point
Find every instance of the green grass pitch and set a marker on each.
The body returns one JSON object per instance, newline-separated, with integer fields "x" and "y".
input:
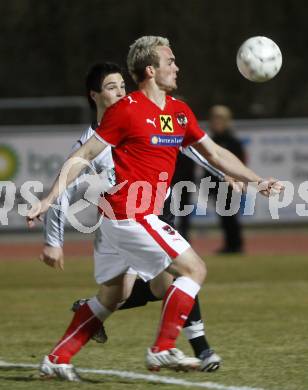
{"x": 256, "y": 311}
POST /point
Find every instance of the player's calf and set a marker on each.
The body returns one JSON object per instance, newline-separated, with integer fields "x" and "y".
{"x": 100, "y": 336}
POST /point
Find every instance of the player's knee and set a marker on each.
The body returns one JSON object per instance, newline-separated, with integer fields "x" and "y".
{"x": 189, "y": 264}
{"x": 203, "y": 270}
{"x": 195, "y": 269}
{"x": 199, "y": 271}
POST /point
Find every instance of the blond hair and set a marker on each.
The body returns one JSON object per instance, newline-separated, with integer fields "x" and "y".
{"x": 142, "y": 53}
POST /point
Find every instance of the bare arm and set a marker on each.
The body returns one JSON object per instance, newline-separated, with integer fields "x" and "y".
{"x": 202, "y": 162}
{"x": 54, "y": 224}
{"x": 69, "y": 172}
{"x": 228, "y": 163}
{"x": 225, "y": 161}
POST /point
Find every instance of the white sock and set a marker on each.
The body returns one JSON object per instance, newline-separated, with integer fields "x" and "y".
{"x": 187, "y": 285}
{"x": 98, "y": 309}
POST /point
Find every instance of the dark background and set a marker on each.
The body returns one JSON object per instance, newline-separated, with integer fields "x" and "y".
{"x": 47, "y": 46}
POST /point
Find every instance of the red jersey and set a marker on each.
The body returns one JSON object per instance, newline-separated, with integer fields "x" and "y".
{"x": 145, "y": 141}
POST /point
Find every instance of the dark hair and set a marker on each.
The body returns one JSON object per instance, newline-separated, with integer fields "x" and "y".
{"x": 96, "y": 76}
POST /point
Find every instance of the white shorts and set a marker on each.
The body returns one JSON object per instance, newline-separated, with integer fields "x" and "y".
{"x": 146, "y": 247}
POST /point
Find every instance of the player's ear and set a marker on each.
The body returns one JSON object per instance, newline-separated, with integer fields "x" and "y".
{"x": 149, "y": 71}
{"x": 93, "y": 95}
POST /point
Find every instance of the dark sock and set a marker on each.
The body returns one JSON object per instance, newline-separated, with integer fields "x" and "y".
{"x": 140, "y": 295}
{"x": 194, "y": 320}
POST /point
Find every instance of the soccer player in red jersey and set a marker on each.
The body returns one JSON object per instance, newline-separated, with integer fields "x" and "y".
{"x": 145, "y": 129}
{"x": 105, "y": 86}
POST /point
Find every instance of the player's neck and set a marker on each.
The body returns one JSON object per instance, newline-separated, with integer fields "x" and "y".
{"x": 154, "y": 93}
{"x": 100, "y": 113}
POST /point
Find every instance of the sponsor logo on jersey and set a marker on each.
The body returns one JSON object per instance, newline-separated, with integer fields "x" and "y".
{"x": 166, "y": 124}
{"x": 166, "y": 140}
{"x": 181, "y": 118}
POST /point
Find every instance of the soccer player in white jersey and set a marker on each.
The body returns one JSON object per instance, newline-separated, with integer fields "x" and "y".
{"x": 133, "y": 233}
{"x": 105, "y": 87}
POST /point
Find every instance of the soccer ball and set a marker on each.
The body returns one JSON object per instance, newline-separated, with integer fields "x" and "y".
{"x": 259, "y": 59}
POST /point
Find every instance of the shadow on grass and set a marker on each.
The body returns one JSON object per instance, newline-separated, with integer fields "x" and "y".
{"x": 34, "y": 378}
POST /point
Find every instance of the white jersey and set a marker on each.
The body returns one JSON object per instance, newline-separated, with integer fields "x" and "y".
{"x": 103, "y": 164}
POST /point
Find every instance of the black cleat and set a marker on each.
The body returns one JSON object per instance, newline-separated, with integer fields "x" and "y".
{"x": 210, "y": 361}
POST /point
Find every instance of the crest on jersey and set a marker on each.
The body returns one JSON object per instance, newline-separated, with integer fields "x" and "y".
{"x": 166, "y": 124}
{"x": 181, "y": 118}
{"x": 169, "y": 230}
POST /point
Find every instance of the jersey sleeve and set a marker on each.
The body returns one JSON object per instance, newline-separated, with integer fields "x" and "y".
{"x": 200, "y": 160}
{"x": 112, "y": 128}
{"x": 84, "y": 137}
{"x": 194, "y": 133}
{"x": 54, "y": 220}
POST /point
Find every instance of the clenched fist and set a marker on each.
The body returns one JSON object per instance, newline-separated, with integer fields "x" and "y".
{"x": 53, "y": 256}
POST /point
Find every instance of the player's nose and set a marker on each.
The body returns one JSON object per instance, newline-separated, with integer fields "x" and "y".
{"x": 120, "y": 92}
